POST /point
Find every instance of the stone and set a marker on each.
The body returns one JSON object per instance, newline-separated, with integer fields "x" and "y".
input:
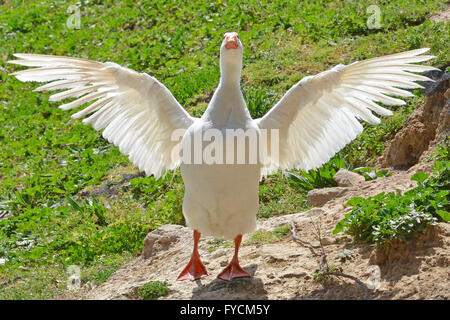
{"x": 293, "y": 272}
{"x": 327, "y": 241}
{"x": 166, "y": 237}
{"x": 377, "y": 257}
{"x": 273, "y": 254}
{"x": 318, "y": 197}
{"x": 345, "y": 178}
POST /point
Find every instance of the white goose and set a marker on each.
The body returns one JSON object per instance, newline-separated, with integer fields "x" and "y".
{"x": 315, "y": 118}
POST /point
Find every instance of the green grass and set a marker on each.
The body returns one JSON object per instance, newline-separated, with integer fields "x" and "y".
{"x": 47, "y": 157}
{"x": 263, "y": 236}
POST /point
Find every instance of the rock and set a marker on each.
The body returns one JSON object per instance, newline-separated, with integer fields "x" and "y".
{"x": 218, "y": 253}
{"x": 327, "y": 241}
{"x": 166, "y": 237}
{"x": 425, "y": 128}
{"x": 377, "y": 257}
{"x": 223, "y": 263}
{"x": 293, "y": 272}
{"x": 319, "y": 197}
{"x": 345, "y": 178}
{"x": 274, "y": 255}
{"x": 270, "y": 224}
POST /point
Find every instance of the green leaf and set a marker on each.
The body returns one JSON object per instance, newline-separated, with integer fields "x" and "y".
{"x": 74, "y": 204}
{"x": 339, "y": 226}
{"x": 419, "y": 177}
{"x": 445, "y": 215}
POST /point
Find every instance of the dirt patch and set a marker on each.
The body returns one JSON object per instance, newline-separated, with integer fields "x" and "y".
{"x": 111, "y": 187}
{"x": 443, "y": 16}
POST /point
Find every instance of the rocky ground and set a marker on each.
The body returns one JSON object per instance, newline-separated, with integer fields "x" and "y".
{"x": 284, "y": 269}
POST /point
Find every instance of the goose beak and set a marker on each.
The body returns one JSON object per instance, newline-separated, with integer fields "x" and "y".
{"x": 231, "y": 42}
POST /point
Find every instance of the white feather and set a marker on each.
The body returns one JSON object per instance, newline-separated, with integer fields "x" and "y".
{"x": 120, "y": 97}
{"x": 348, "y": 93}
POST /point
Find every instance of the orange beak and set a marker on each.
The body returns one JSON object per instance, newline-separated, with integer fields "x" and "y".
{"x": 231, "y": 42}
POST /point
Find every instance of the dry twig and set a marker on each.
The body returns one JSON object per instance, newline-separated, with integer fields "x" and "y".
{"x": 323, "y": 258}
{"x": 296, "y": 237}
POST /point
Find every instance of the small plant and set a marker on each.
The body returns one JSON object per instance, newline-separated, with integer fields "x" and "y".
{"x": 282, "y": 231}
{"x": 391, "y": 216}
{"x": 371, "y": 174}
{"x": 319, "y": 178}
{"x": 93, "y": 208}
{"x": 153, "y": 289}
{"x": 262, "y": 237}
{"x": 21, "y": 200}
{"x": 345, "y": 255}
{"x": 319, "y": 276}
{"x": 441, "y": 153}
{"x": 216, "y": 242}
{"x": 104, "y": 273}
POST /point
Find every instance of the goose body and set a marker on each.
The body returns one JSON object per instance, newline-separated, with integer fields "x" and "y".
{"x": 317, "y": 117}
{"x": 225, "y": 203}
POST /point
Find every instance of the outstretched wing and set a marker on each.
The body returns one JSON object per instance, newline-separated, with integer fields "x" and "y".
{"x": 319, "y": 115}
{"x": 138, "y": 113}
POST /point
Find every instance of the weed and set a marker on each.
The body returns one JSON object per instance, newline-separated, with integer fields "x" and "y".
{"x": 371, "y": 174}
{"x": 319, "y": 178}
{"x": 153, "y": 289}
{"x": 390, "y": 216}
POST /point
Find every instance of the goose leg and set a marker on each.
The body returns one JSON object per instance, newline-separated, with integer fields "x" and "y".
{"x": 234, "y": 270}
{"x": 195, "y": 269}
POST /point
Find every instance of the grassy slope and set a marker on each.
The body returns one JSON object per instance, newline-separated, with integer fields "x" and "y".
{"x": 46, "y": 156}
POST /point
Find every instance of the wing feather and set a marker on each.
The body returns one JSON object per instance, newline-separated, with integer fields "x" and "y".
{"x": 137, "y": 112}
{"x": 319, "y": 115}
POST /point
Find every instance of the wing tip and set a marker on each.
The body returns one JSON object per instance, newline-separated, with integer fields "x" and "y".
{"x": 64, "y": 107}
{"x": 416, "y": 52}
{"x": 18, "y": 73}
{"x": 87, "y": 121}
{"x": 23, "y": 56}
{"x": 387, "y": 113}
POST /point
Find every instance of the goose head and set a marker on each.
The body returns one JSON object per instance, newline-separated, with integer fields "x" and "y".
{"x": 231, "y": 53}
